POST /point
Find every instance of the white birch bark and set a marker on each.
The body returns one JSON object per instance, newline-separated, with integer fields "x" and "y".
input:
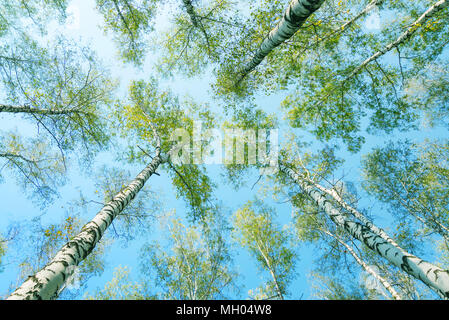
{"x": 294, "y": 17}
{"x": 272, "y": 272}
{"x": 46, "y": 283}
{"x": 191, "y": 11}
{"x": 27, "y": 109}
{"x": 366, "y": 267}
{"x": 434, "y": 277}
{"x": 440, "y": 5}
{"x": 357, "y": 214}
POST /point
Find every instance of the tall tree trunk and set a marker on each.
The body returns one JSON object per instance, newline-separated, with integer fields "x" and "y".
{"x": 191, "y": 11}
{"x": 357, "y": 214}
{"x": 440, "y": 5}
{"x": 434, "y": 277}
{"x": 11, "y": 156}
{"x": 45, "y": 284}
{"x": 196, "y": 21}
{"x": 294, "y": 17}
{"x": 272, "y": 271}
{"x": 123, "y": 19}
{"x": 27, "y": 109}
{"x": 366, "y": 267}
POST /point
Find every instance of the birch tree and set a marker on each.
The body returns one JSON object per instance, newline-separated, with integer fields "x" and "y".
{"x": 316, "y": 65}
{"x": 343, "y": 78}
{"x": 37, "y": 170}
{"x": 428, "y": 14}
{"x": 38, "y": 13}
{"x": 433, "y": 276}
{"x": 121, "y": 287}
{"x": 338, "y": 274}
{"x": 62, "y": 90}
{"x": 412, "y": 179}
{"x": 129, "y": 21}
{"x": 268, "y": 244}
{"x": 39, "y": 242}
{"x": 337, "y": 109}
{"x": 200, "y": 35}
{"x": 294, "y": 17}
{"x": 152, "y": 114}
{"x": 195, "y": 38}
{"x": 369, "y": 269}
{"x": 46, "y": 283}
{"x": 57, "y": 86}
{"x": 262, "y": 17}
{"x": 326, "y": 287}
{"x": 198, "y": 265}
{"x": 3, "y": 248}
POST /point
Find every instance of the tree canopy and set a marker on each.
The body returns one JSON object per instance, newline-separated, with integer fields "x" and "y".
{"x": 222, "y": 149}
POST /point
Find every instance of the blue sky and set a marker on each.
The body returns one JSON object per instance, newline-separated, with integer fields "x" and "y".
{"x": 85, "y": 26}
{"x": 17, "y": 207}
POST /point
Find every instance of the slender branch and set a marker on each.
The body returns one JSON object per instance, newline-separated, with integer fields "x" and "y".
{"x": 28, "y": 109}
{"x": 365, "y": 266}
{"x": 429, "y": 13}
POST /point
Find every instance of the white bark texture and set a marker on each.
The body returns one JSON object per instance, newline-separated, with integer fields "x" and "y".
{"x": 434, "y": 277}
{"x": 357, "y": 214}
{"x": 45, "y": 284}
{"x": 272, "y": 271}
{"x": 27, "y": 109}
{"x": 294, "y": 17}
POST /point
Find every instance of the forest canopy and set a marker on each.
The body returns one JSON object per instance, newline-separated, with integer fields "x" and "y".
{"x": 169, "y": 149}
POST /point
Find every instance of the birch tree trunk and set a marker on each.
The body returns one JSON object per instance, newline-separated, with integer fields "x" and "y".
{"x": 123, "y": 19}
{"x": 191, "y": 11}
{"x": 27, "y": 109}
{"x": 357, "y": 214}
{"x": 434, "y": 277}
{"x": 294, "y": 17}
{"x": 46, "y": 283}
{"x": 272, "y": 271}
{"x": 366, "y": 267}
{"x": 440, "y": 5}
{"x": 196, "y": 21}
